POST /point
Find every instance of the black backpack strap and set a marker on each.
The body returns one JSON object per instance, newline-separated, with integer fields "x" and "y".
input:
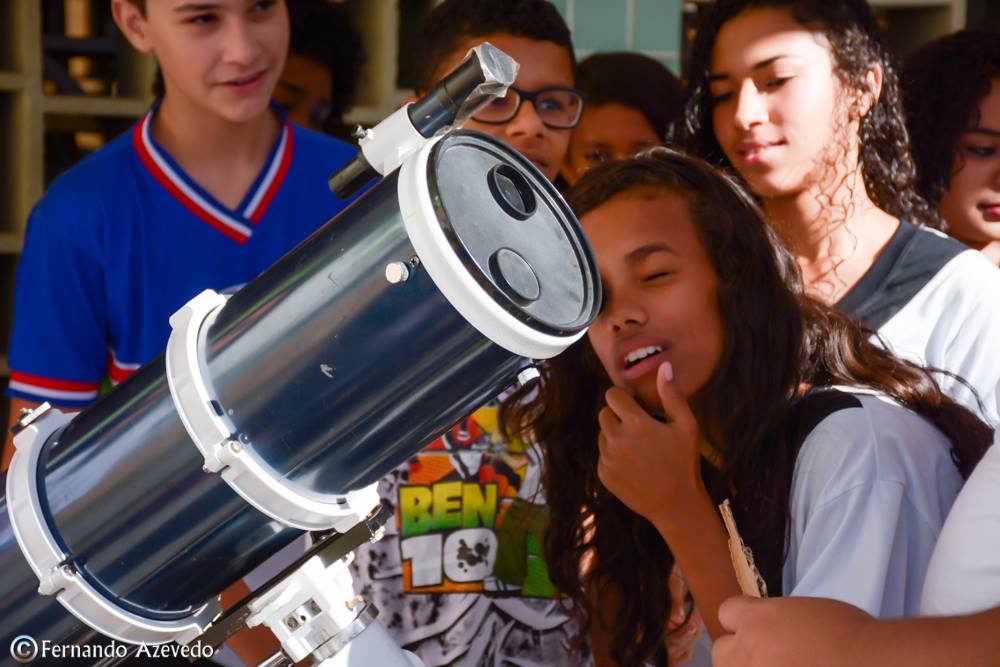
{"x": 805, "y": 416}
{"x": 813, "y": 408}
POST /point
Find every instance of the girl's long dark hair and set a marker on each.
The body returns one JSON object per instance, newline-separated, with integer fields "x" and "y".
{"x": 777, "y": 341}
{"x": 856, "y": 45}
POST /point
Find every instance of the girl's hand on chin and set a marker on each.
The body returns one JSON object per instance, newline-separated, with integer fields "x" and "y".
{"x": 651, "y": 466}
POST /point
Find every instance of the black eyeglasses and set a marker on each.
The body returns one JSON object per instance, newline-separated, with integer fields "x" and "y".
{"x": 558, "y": 108}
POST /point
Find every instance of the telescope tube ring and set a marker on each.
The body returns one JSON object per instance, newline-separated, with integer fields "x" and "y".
{"x": 54, "y": 568}
{"x": 215, "y": 437}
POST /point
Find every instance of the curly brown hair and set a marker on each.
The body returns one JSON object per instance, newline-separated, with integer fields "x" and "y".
{"x": 943, "y": 84}
{"x": 856, "y": 45}
{"x": 777, "y": 340}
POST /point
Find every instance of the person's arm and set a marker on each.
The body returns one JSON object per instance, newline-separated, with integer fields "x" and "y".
{"x": 654, "y": 468}
{"x": 58, "y": 344}
{"x": 964, "y": 572}
{"x": 701, "y": 546}
{"x": 814, "y": 632}
{"x": 13, "y": 415}
{"x": 604, "y": 605}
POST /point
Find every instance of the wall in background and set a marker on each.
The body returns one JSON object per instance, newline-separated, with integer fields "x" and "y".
{"x": 651, "y": 27}
{"x": 390, "y": 27}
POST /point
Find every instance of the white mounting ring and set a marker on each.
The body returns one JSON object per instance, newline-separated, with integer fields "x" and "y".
{"x": 55, "y": 574}
{"x": 386, "y": 145}
{"x": 214, "y": 434}
{"x": 453, "y": 279}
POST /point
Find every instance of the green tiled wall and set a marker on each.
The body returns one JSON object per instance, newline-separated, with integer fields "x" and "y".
{"x": 652, "y": 27}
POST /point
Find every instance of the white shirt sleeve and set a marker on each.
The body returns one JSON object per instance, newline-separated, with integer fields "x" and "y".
{"x": 964, "y": 572}
{"x": 947, "y": 326}
{"x": 870, "y": 491}
{"x": 868, "y": 547}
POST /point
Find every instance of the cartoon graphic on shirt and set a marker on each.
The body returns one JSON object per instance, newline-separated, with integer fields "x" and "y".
{"x": 469, "y": 516}
{"x": 459, "y": 577}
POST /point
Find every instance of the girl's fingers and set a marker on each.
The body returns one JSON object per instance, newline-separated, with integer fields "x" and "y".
{"x": 624, "y": 405}
{"x": 675, "y": 405}
{"x": 608, "y": 421}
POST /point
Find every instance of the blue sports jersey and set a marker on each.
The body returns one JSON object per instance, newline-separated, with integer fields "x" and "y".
{"x": 125, "y": 238}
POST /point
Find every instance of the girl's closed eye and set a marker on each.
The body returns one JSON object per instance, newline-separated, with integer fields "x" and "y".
{"x": 721, "y": 96}
{"x": 657, "y": 275}
{"x": 776, "y": 82}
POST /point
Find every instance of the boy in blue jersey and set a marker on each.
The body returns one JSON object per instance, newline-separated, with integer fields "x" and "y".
{"x": 206, "y": 191}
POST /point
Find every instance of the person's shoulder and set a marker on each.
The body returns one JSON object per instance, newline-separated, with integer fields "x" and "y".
{"x": 967, "y": 290}
{"x": 875, "y": 428}
{"x": 959, "y": 264}
{"x": 950, "y": 283}
{"x": 315, "y": 157}
{"x": 90, "y": 186}
{"x": 320, "y": 147}
{"x": 934, "y": 240}
{"x": 97, "y": 172}
{"x": 875, "y": 439}
{"x": 963, "y": 576}
{"x": 971, "y": 267}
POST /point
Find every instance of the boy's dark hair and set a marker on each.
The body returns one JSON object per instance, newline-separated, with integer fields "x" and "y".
{"x": 635, "y": 81}
{"x": 322, "y": 32}
{"x": 943, "y": 84}
{"x": 455, "y": 21}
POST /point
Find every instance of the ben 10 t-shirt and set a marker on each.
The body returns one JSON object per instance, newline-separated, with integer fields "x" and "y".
{"x": 459, "y": 577}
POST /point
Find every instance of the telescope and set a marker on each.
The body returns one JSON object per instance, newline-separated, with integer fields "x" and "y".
{"x": 275, "y": 410}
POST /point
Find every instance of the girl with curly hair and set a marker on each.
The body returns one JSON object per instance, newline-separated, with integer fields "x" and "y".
{"x": 708, "y": 374}
{"x": 801, "y": 98}
{"x": 951, "y": 89}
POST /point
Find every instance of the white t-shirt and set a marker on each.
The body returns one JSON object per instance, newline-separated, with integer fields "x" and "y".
{"x": 872, "y": 486}
{"x": 936, "y": 302}
{"x": 964, "y": 573}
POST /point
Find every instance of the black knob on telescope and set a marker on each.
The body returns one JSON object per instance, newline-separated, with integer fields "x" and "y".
{"x": 433, "y": 111}
{"x": 440, "y": 107}
{"x": 486, "y": 72}
{"x": 351, "y": 177}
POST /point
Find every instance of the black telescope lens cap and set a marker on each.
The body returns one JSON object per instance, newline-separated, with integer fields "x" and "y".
{"x": 512, "y": 230}
{"x": 512, "y": 191}
{"x": 514, "y": 275}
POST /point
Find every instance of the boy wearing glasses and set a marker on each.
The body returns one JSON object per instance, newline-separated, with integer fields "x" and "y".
{"x": 542, "y": 107}
{"x": 459, "y": 577}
